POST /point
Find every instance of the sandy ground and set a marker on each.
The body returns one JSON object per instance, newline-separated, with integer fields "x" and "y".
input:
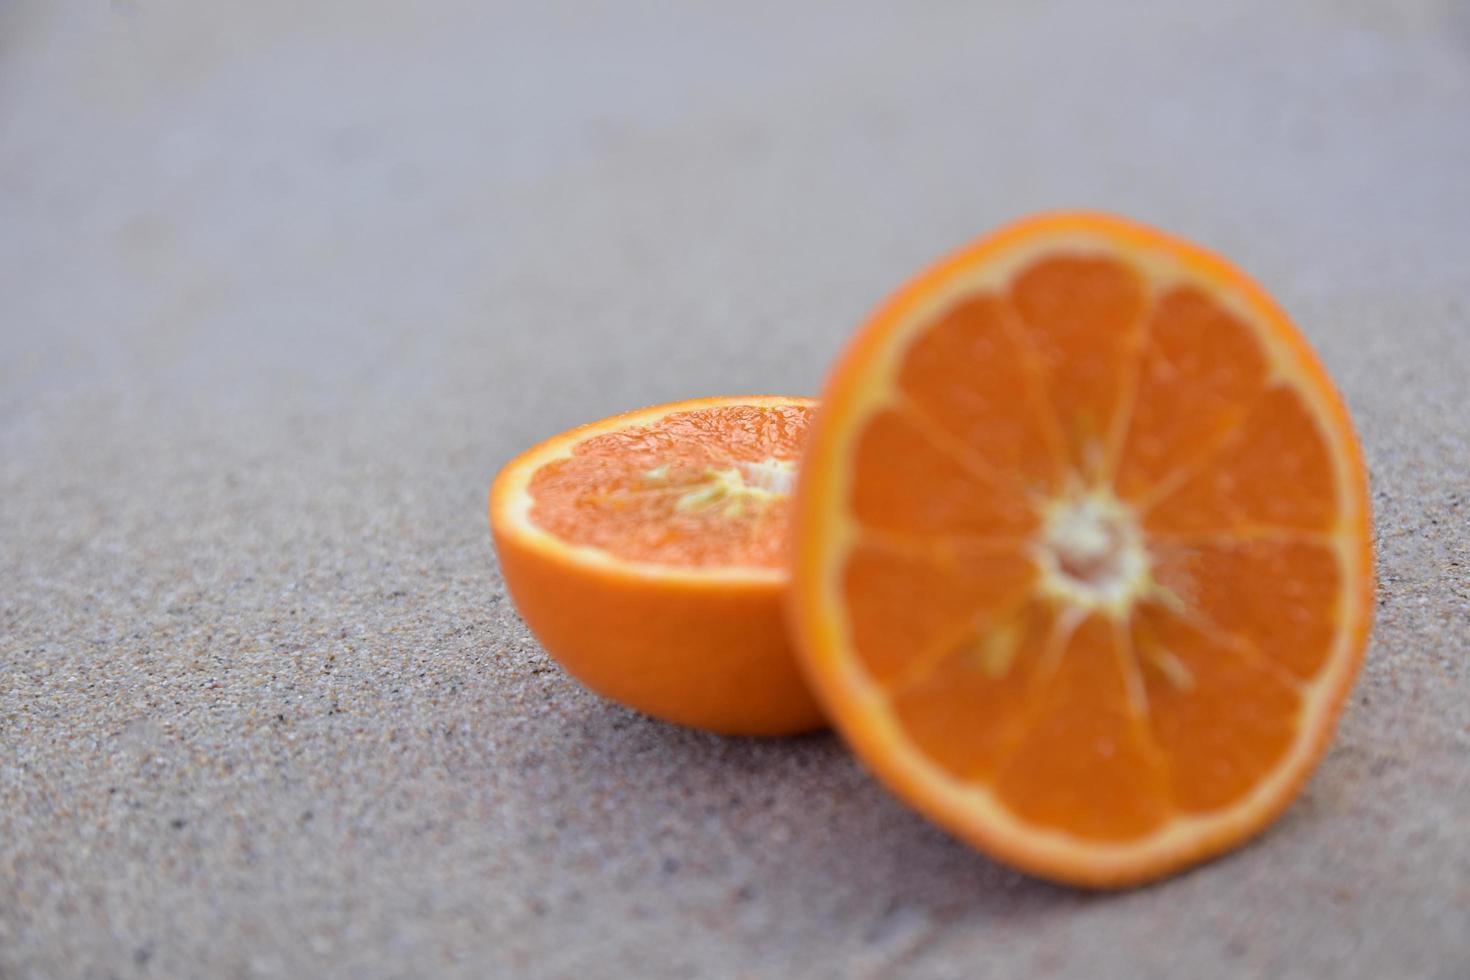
{"x": 282, "y": 285}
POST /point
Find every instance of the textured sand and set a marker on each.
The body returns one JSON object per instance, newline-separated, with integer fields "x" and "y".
{"x": 282, "y": 285}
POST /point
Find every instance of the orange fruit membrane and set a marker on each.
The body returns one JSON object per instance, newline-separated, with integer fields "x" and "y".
{"x": 1082, "y": 560}
{"x": 647, "y": 553}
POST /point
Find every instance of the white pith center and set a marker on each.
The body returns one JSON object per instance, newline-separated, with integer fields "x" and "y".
{"x": 1091, "y": 553}
{"x": 736, "y": 489}
{"x": 776, "y": 477}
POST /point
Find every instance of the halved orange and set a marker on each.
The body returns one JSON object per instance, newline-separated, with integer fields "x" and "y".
{"x": 647, "y": 553}
{"x": 1083, "y": 564}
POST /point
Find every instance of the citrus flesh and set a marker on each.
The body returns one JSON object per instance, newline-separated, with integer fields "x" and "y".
{"x": 1082, "y": 550}
{"x": 647, "y": 553}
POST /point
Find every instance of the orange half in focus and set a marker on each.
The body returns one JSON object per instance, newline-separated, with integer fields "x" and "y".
{"x": 647, "y": 553}
{"x": 1083, "y": 561}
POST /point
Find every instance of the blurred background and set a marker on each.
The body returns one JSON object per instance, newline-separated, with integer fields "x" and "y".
{"x": 282, "y": 284}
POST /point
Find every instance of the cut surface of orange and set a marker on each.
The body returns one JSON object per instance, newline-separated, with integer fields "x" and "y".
{"x": 1083, "y": 563}
{"x": 647, "y": 553}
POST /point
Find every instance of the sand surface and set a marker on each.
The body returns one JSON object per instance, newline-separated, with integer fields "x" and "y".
{"x": 283, "y": 284}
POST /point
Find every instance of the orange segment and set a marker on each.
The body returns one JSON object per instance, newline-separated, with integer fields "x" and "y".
{"x": 1202, "y": 367}
{"x": 1082, "y": 550}
{"x": 936, "y": 490}
{"x": 1083, "y": 317}
{"x": 1086, "y": 767}
{"x": 1282, "y": 597}
{"x": 908, "y": 610}
{"x": 969, "y": 376}
{"x": 1275, "y": 470}
{"x": 647, "y": 553}
{"x": 1222, "y": 717}
{"x": 988, "y": 675}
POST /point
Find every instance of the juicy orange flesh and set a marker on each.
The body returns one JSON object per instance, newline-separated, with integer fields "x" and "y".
{"x": 1083, "y": 377}
{"x": 706, "y": 488}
